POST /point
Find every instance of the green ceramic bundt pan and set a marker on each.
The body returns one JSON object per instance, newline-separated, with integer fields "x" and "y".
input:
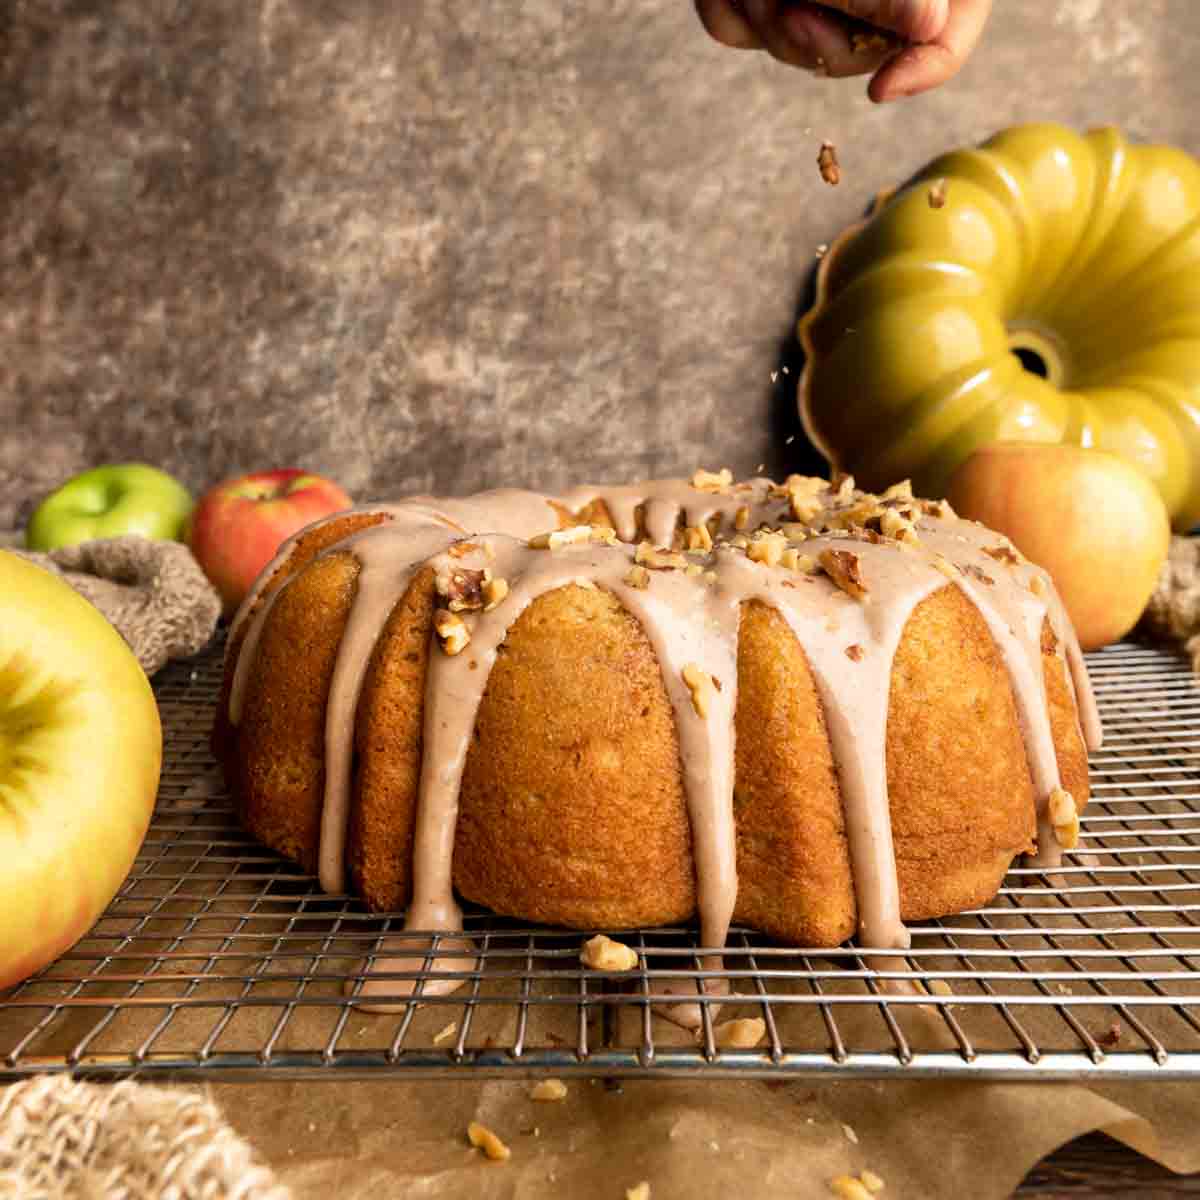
{"x": 1054, "y": 296}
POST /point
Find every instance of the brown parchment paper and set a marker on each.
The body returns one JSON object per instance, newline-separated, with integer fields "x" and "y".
{"x": 687, "y": 1138}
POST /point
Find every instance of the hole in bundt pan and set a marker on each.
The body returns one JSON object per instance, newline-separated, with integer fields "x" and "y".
{"x": 1032, "y": 361}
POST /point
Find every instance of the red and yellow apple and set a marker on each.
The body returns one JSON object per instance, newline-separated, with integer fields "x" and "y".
{"x": 1091, "y": 519}
{"x": 237, "y": 526}
{"x": 80, "y": 754}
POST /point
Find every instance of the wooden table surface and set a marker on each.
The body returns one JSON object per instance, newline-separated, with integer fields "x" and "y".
{"x": 1097, "y": 1165}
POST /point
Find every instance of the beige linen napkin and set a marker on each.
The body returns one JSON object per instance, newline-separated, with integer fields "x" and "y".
{"x": 153, "y": 592}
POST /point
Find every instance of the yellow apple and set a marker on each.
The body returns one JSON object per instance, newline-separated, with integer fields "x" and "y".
{"x": 80, "y": 753}
{"x": 1094, "y": 521}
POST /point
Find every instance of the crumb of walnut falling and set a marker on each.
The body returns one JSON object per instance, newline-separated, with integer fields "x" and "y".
{"x": 937, "y": 194}
{"x": 827, "y": 162}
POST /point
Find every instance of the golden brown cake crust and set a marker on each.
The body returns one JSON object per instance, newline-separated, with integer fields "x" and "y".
{"x": 572, "y": 806}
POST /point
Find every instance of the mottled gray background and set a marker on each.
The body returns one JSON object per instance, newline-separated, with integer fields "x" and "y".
{"x": 416, "y": 244}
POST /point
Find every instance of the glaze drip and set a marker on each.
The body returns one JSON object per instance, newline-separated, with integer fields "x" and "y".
{"x": 896, "y": 552}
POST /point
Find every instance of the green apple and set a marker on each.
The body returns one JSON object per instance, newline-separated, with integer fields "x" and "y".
{"x": 110, "y": 501}
{"x": 80, "y": 754}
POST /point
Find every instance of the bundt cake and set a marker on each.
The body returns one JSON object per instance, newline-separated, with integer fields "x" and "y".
{"x": 1043, "y": 287}
{"x": 816, "y": 711}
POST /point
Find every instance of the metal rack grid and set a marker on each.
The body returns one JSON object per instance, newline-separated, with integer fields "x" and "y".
{"x": 217, "y": 958}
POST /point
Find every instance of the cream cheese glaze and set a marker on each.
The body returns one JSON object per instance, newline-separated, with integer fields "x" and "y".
{"x": 689, "y": 605}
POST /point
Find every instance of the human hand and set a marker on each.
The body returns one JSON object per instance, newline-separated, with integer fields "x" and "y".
{"x": 907, "y": 46}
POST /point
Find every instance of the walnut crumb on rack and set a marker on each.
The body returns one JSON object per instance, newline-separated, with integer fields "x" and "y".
{"x": 1111, "y": 1037}
{"x": 603, "y": 953}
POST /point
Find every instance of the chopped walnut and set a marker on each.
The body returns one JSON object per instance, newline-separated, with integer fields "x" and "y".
{"x": 741, "y": 518}
{"x": 494, "y": 593}
{"x": 844, "y": 569}
{"x": 855, "y": 653}
{"x": 742, "y": 1034}
{"x": 846, "y": 1187}
{"x": 712, "y": 481}
{"x": 697, "y": 537}
{"x": 945, "y": 566}
{"x": 828, "y": 165}
{"x": 766, "y": 548}
{"x": 843, "y": 486}
{"x": 1067, "y": 834}
{"x": 578, "y": 534}
{"x": 549, "y": 1090}
{"x": 1061, "y": 807}
{"x": 702, "y": 686}
{"x": 870, "y": 1181}
{"x": 481, "y": 1137}
{"x": 937, "y": 194}
{"x": 899, "y": 491}
{"x": 804, "y": 507}
{"x": 1003, "y": 553}
{"x": 638, "y": 577}
{"x": 463, "y": 588}
{"x": 972, "y": 571}
{"x": 649, "y": 555}
{"x": 1111, "y": 1037}
{"x": 893, "y": 524}
{"x": 867, "y": 42}
{"x": 937, "y": 508}
{"x": 447, "y": 1031}
{"x": 452, "y": 630}
{"x": 602, "y": 953}
{"x": 640, "y": 1191}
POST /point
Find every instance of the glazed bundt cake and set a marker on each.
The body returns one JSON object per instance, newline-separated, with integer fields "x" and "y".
{"x": 1044, "y": 286}
{"x": 815, "y": 711}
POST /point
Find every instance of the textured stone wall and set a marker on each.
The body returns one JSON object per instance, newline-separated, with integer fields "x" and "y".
{"x": 424, "y": 245}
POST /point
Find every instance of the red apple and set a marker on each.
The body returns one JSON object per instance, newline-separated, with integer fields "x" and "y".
{"x": 237, "y": 526}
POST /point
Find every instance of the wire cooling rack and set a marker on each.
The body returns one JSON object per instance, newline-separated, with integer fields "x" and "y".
{"x": 218, "y": 959}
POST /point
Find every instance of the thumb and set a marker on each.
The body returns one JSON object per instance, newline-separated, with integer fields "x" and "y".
{"x": 913, "y": 20}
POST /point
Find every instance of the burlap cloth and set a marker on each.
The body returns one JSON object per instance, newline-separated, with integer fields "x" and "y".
{"x": 153, "y": 592}
{"x": 687, "y": 1138}
{"x": 1173, "y": 613}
